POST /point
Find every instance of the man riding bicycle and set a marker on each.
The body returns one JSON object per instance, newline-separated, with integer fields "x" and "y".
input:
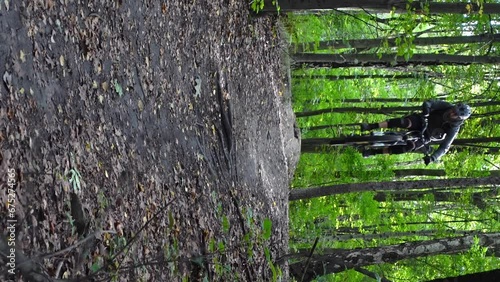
{"x": 444, "y": 122}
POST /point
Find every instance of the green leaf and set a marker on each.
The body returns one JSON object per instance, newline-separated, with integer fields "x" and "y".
{"x": 266, "y": 226}
{"x": 249, "y": 254}
{"x": 170, "y": 220}
{"x": 225, "y": 224}
{"x": 211, "y": 245}
{"x": 95, "y": 266}
{"x": 198, "y": 260}
{"x": 118, "y": 88}
{"x": 267, "y": 253}
{"x": 222, "y": 247}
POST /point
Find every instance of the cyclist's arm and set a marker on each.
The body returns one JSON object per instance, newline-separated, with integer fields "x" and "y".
{"x": 445, "y": 144}
{"x": 434, "y": 104}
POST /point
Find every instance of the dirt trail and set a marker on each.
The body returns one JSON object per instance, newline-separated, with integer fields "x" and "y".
{"x": 176, "y": 114}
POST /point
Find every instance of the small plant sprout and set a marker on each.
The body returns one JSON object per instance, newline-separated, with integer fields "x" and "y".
{"x": 74, "y": 179}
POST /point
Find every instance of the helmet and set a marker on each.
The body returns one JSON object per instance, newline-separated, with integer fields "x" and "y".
{"x": 463, "y": 111}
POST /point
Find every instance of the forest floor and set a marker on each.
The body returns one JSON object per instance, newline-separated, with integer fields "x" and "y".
{"x": 162, "y": 126}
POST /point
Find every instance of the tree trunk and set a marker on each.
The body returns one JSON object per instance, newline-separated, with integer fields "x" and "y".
{"x": 307, "y": 193}
{"x": 359, "y": 100}
{"x": 391, "y": 42}
{"x": 419, "y": 172}
{"x": 426, "y": 224}
{"x": 421, "y": 75}
{"x": 321, "y": 145}
{"x": 338, "y": 260}
{"x": 478, "y": 198}
{"x": 422, "y": 7}
{"x": 471, "y": 149}
{"x": 333, "y": 236}
{"x": 387, "y": 60}
{"x": 384, "y": 110}
{"x": 486, "y": 276}
{"x": 381, "y": 110}
{"x": 434, "y": 172}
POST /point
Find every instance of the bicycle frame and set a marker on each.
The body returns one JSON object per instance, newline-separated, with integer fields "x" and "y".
{"x": 377, "y": 139}
{"x": 397, "y": 138}
{"x": 390, "y": 138}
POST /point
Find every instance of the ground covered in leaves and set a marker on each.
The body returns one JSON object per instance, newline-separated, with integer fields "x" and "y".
{"x": 143, "y": 141}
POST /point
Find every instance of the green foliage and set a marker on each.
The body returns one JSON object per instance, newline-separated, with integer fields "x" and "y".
{"x": 225, "y": 224}
{"x": 74, "y": 179}
{"x": 257, "y": 5}
{"x": 368, "y": 207}
{"x": 96, "y": 266}
{"x": 266, "y": 228}
{"x": 361, "y": 220}
{"x": 255, "y": 242}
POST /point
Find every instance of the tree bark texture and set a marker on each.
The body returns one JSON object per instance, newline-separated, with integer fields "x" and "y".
{"x": 382, "y": 109}
{"x": 418, "y": 75}
{"x": 398, "y": 186}
{"x": 492, "y": 275}
{"x": 387, "y": 60}
{"x": 338, "y": 260}
{"x": 391, "y": 42}
{"x": 399, "y": 6}
{"x": 321, "y": 145}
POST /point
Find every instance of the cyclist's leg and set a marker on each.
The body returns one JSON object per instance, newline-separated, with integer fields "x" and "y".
{"x": 371, "y": 126}
{"x": 412, "y": 122}
{"x": 404, "y": 122}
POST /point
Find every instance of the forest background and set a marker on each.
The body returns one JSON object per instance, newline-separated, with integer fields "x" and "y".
{"x": 359, "y": 64}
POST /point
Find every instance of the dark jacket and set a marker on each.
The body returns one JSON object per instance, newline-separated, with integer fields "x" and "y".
{"x": 439, "y": 128}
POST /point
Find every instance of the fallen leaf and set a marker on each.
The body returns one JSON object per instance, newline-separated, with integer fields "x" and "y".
{"x": 22, "y": 56}
{"x": 7, "y": 78}
{"x": 140, "y": 105}
{"x": 118, "y": 88}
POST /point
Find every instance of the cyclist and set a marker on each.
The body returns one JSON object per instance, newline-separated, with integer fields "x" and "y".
{"x": 444, "y": 122}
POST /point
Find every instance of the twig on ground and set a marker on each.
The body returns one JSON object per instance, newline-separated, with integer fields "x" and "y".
{"x": 59, "y": 267}
{"x": 89, "y": 237}
{"x": 161, "y": 210}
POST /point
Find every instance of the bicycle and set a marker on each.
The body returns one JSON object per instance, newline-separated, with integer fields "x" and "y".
{"x": 373, "y": 140}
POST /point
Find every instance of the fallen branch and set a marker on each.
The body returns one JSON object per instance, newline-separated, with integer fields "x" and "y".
{"x": 28, "y": 268}
{"x": 161, "y": 210}
{"x": 91, "y": 236}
